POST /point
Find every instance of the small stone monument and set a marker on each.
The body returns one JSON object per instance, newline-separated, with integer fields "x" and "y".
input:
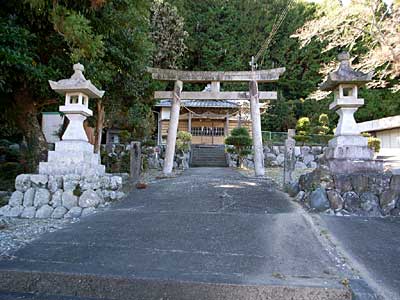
{"x": 290, "y": 158}
{"x": 74, "y": 154}
{"x": 348, "y": 151}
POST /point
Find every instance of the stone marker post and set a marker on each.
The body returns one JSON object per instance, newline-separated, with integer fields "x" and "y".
{"x": 290, "y": 158}
{"x": 173, "y": 128}
{"x": 136, "y": 161}
{"x": 256, "y": 129}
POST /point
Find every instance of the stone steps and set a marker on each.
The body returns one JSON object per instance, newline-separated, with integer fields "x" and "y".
{"x": 208, "y": 156}
{"x": 72, "y": 286}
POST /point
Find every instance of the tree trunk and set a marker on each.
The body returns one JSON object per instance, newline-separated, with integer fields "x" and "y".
{"x": 99, "y": 125}
{"x": 28, "y": 123}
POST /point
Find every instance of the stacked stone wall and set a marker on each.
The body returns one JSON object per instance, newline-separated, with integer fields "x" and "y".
{"x": 358, "y": 194}
{"x": 274, "y": 156}
{"x": 64, "y": 196}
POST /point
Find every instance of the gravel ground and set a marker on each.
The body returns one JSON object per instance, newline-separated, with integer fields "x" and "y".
{"x": 15, "y": 233}
{"x": 276, "y": 174}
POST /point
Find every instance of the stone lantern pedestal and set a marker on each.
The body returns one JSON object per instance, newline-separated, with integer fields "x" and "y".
{"x": 348, "y": 151}
{"x": 74, "y": 154}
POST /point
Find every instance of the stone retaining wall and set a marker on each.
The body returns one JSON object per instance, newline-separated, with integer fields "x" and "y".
{"x": 64, "y": 196}
{"x": 358, "y": 194}
{"x": 274, "y": 156}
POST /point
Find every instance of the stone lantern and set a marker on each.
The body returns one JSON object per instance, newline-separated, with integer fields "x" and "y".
{"x": 74, "y": 154}
{"x": 348, "y": 151}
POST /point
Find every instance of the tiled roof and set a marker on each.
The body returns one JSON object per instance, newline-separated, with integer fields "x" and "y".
{"x": 201, "y": 103}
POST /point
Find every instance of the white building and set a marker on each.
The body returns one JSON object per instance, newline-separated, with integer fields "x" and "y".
{"x": 388, "y": 131}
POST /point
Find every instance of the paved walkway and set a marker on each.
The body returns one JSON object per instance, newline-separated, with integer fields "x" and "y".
{"x": 210, "y": 226}
{"x": 373, "y": 245}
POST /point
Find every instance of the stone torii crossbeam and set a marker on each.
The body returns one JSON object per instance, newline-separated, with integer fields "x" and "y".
{"x": 254, "y": 96}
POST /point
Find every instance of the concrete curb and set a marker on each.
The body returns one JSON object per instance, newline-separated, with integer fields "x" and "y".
{"x": 83, "y": 285}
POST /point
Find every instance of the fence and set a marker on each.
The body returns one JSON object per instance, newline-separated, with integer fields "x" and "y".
{"x": 278, "y": 139}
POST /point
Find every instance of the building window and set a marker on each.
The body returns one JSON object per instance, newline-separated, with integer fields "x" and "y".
{"x": 208, "y": 131}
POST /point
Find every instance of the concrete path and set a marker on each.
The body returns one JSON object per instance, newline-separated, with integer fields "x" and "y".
{"x": 373, "y": 246}
{"x": 208, "y": 234}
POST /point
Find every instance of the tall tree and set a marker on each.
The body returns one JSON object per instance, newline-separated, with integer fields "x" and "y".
{"x": 40, "y": 40}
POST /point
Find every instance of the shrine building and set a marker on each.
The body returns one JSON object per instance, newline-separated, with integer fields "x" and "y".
{"x": 209, "y": 121}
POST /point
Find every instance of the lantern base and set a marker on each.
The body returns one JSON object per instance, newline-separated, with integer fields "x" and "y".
{"x": 72, "y": 157}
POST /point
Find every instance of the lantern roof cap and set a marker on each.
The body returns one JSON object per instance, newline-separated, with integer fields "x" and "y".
{"x": 77, "y": 83}
{"x": 345, "y": 74}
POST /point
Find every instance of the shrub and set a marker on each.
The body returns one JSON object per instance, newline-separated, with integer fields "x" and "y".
{"x": 240, "y": 142}
{"x": 183, "y": 141}
{"x": 125, "y": 136}
{"x": 303, "y": 126}
{"x": 374, "y": 144}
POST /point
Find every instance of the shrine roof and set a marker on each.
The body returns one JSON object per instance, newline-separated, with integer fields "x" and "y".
{"x": 201, "y": 103}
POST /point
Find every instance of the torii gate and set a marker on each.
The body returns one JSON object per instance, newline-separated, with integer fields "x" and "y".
{"x": 253, "y": 77}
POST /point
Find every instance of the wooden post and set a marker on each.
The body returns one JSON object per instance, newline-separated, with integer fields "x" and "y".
{"x": 136, "y": 161}
{"x": 173, "y": 128}
{"x": 190, "y": 122}
{"x": 256, "y": 129}
{"x": 227, "y": 125}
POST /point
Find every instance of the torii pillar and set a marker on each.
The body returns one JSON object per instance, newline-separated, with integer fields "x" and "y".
{"x": 256, "y": 130}
{"x": 173, "y": 128}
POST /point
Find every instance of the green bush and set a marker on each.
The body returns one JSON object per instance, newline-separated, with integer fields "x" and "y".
{"x": 183, "y": 140}
{"x": 125, "y": 136}
{"x": 303, "y": 126}
{"x": 240, "y": 142}
{"x": 374, "y": 144}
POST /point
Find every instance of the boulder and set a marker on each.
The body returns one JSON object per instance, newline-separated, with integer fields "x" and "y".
{"x": 89, "y": 198}
{"x": 313, "y": 165}
{"x": 55, "y": 183}
{"x": 370, "y": 204}
{"x": 319, "y": 200}
{"x": 70, "y": 182}
{"x": 16, "y": 199}
{"x": 92, "y": 182}
{"x": 395, "y": 212}
{"x": 351, "y": 202}
{"x": 300, "y": 165}
{"x": 4, "y": 210}
{"x": 280, "y": 159}
{"x": 29, "y": 212}
{"x": 88, "y": 211}
{"x": 304, "y": 150}
{"x": 56, "y": 199}
{"x": 22, "y": 182}
{"x": 378, "y": 183}
{"x": 297, "y": 151}
{"x": 59, "y": 212}
{"x": 300, "y": 196}
{"x": 359, "y": 183}
{"x": 342, "y": 183}
{"x": 44, "y": 212}
{"x": 115, "y": 183}
{"x": 29, "y": 197}
{"x": 39, "y": 181}
{"x": 335, "y": 199}
{"x": 292, "y": 189}
{"x": 69, "y": 200}
{"x": 395, "y": 183}
{"x": 275, "y": 150}
{"x": 388, "y": 201}
{"x": 268, "y": 158}
{"x": 15, "y": 211}
{"x": 42, "y": 197}
{"x": 74, "y": 212}
{"x": 308, "y": 158}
